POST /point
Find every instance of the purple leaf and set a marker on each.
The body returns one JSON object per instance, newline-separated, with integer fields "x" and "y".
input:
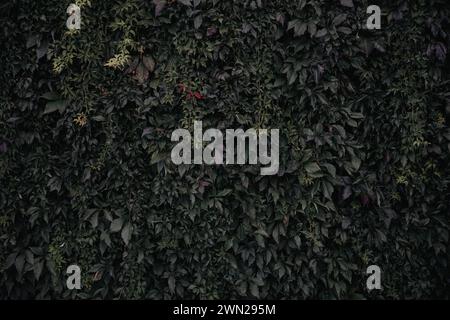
{"x": 146, "y": 131}
{"x": 441, "y": 52}
{"x": 159, "y": 6}
{"x": 346, "y": 193}
{"x": 438, "y": 51}
{"x": 211, "y": 31}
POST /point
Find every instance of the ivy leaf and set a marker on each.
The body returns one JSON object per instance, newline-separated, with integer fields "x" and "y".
{"x": 292, "y": 24}
{"x": 51, "y": 96}
{"x": 366, "y": 46}
{"x": 19, "y": 263}
{"x": 339, "y": 19}
{"x": 42, "y": 49}
{"x": 32, "y": 40}
{"x": 159, "y": 6}
{"x": 346, "y": 221}
{"x": 10, "y": 260}
{"x": 53, "y": 106}
{"x": 186, "y": 2}
{"x": 37, "y": 268}
{"x": 171, "y": 282}
{"x": 300, "y": 29}
{"x": 347, "y": 3}
{"x": 331, "y": 169}
{"x": 292, "y": 77}
{"x": 98, "y": 118}
{"x": 254, "y": 290}
{"x": 132, "y": 66}
{"x": 224, "y": 192}
{"x": 262, "y": 232}
{"x": 198, "y": 21}
{"x": 126, "y": 233}
{"x": 3, "y": 147}
{"x": 379, "y": 47}
{"x": 146, "y": 131}
{"x": 345, "y": 30}
{"x": 346, "y": 193}
{"x": 149, "y": 63}
{"x": 157, "y": 157}
{"x": 356, "y": 163}
{"x": 116, "y": 225}
{"x": 322, "y": 32}
{"x": 381, "y": 236}
{"x": 141, "y": 73}
{"x": 211, "y": 31}
{"x": 312, "y": 28}
{"x": 312, "y": 167}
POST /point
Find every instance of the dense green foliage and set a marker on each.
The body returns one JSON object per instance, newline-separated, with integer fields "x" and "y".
{"x": 86, "y": 176}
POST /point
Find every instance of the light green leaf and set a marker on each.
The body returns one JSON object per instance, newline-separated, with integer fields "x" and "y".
{"x": 312, "y": 167}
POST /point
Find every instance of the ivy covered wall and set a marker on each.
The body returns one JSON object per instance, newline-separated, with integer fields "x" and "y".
{"x": 86, "y": 177}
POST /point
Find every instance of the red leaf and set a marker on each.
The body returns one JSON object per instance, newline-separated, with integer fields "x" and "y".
{"x": 198, "y": 96}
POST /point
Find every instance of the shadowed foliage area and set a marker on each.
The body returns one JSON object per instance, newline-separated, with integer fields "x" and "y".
{"x": 86, "y": 178}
